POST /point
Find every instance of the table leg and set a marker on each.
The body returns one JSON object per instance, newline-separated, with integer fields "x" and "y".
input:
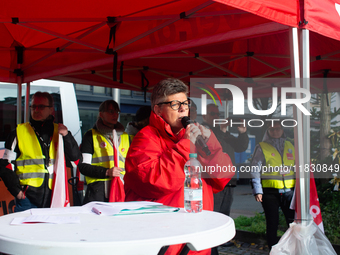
{"x": 185, "y": 250}
{"x": 163, "y": 250}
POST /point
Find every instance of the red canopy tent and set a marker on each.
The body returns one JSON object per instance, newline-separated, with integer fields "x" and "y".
{"x": 76, "y": 41}
{"x": 159, "y": 38}
{"x": 68, "y": 41}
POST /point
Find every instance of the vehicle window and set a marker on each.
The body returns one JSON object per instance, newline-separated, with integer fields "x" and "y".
{"x": 8, "y": 106}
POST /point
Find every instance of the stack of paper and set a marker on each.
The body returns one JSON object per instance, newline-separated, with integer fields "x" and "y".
{"x": 128, "y": 208}
{"x": 149, "y": 209}
{"x": 48, "y": 215}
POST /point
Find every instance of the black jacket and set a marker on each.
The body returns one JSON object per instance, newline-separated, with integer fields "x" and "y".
{"x": 95, "y": 191}
{"x": 230, "y": 144}
{"x": 40, "y": 196}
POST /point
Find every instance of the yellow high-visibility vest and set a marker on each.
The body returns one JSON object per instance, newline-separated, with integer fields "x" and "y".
{"x": 30, "y": 164}
{"x": 273, "y": 159}
{"x": 103, "y": 153}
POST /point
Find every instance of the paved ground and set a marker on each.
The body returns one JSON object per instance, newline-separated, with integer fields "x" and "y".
{"x": 244, "y": 204}
{"x": 244, "y": 248}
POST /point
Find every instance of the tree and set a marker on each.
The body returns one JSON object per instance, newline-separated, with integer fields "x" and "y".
{"x": 321, "y": 147}
{"x": 325, "y": 125}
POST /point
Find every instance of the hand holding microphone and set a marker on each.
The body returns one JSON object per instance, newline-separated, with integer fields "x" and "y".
{"x": 199, "y": 139}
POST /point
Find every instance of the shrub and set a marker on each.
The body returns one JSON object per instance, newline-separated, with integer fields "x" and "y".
{"x": 330, "y": 211}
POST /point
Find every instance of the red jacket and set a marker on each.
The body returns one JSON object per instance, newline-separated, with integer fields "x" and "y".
{"x": 155, "y": 166}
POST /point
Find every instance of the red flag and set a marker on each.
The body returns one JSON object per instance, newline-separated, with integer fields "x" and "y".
{"x": 60, "y": 195}
{"x": 314, "y": 209}
{"x": 117, "y": 193}
{"x": 314, "y": 205}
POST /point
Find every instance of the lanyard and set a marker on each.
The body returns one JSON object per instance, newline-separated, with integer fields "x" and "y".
{"x": 40, "y": 138}
{"x": 47, "y": 146}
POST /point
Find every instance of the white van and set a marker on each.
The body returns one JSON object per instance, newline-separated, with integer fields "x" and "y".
{"x": 66, "y": 107}
{"x": 66, "y": 112}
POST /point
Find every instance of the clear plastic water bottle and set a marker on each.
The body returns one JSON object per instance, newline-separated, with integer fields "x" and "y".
{"x": 193, "y": 194}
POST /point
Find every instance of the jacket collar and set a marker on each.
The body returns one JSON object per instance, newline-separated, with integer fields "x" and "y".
{"x": 164, "y": 128}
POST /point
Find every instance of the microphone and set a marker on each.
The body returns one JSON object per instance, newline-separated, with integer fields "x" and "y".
{"x": 199, "y": 139}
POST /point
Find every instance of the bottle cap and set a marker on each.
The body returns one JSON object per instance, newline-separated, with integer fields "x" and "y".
{"x": 192, "y": 155}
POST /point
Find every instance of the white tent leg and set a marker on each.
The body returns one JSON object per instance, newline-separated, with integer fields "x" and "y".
{"x": 19, "y": 104}
{"x": 301, "y": 202}
{"x": 116, "y": 97}
{"x": 305, "y": 54}
{"x": 27, "y": 102}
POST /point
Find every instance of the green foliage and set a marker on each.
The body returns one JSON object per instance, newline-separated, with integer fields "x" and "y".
{"x": 316, "y": 111}
{"x": 330, "y": 211}
{"x": 315, "y": 134}
{"x": 329, "y": 199}
{"x": 257, "y": 224}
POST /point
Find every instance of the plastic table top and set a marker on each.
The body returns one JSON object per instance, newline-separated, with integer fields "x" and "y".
{"x": 125, "y": 234}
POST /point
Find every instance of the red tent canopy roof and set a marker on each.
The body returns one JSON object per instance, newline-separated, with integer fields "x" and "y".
{"x": 67, "y": 41}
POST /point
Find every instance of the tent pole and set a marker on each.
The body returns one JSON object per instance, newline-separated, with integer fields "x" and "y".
{"x": 305, "y": 54}
{"x": 226, "y": 111}
{"x": 19, "y": 104}
{"x": 300, "y": 188}
{"x": 27, "y": 102}
{"x": 116, "y": 97}
{"x": 248, "y": 60}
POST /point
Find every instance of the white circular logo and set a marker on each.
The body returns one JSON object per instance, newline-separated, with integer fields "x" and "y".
{"x": 314, "y": 211}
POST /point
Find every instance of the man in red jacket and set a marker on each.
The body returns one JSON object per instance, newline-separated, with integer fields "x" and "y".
{"x": 155, "y": 161}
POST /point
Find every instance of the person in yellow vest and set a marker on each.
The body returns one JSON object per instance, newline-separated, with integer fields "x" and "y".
{"x": 273, "y": 178}
{"x": 30, "y": 151}
{"x": 98, "y": 153}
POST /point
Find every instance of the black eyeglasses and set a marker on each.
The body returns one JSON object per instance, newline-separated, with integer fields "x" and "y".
{"x": 39, "y": 107}
{"x": 214, "y": 113}
{"x": 175, "y": 104}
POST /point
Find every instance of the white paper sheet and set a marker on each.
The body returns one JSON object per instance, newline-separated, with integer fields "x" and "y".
{"x": 56, "y": 211}
{"x": 34, "y": 219}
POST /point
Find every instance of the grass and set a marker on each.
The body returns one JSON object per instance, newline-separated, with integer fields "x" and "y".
{"x": 330, "y": 216}
{"x": 257, "y": 224}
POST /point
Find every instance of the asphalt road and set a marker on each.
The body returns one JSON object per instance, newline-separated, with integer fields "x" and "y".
{"x": 244, "y": 202}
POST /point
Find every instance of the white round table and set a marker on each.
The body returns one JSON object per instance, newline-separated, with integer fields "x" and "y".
{"x": 129, "y": 234}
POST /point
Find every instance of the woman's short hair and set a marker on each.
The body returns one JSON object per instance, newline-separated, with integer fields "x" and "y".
{"x": 167, "y": 87}
{"x": 46, "y": 95}
{"x": 104, "y": 106}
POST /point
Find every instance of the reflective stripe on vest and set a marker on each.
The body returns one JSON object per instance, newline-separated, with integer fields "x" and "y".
{"x": 273, "y": 159}
{"x": 102, "y": 159}
{"x": 30, "y": 164}
{"x": 103, "y": 153}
